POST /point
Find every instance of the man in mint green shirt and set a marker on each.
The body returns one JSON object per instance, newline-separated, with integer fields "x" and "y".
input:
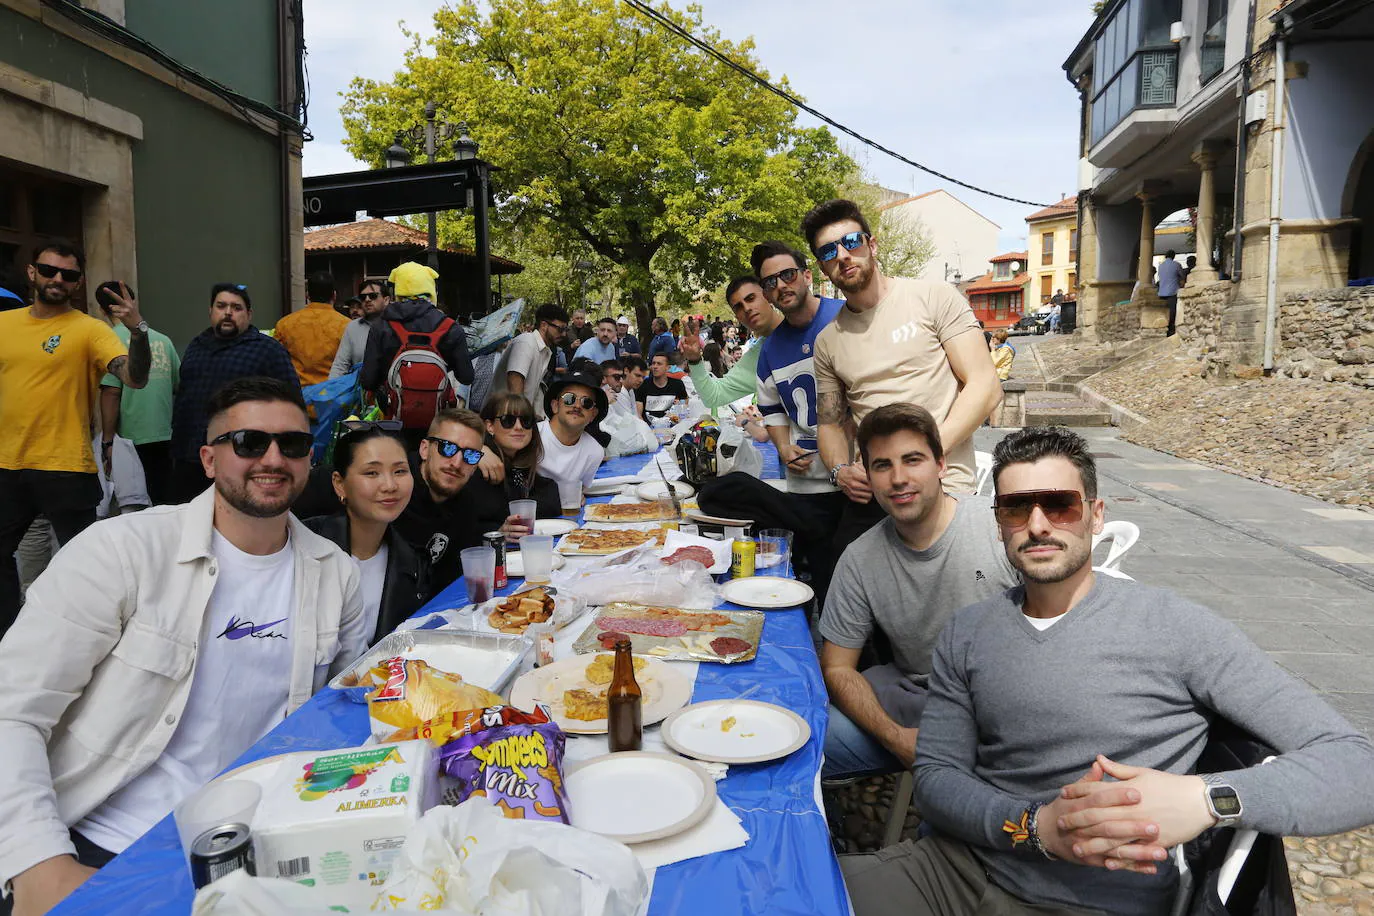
{"x": 745, "y": 297}
{"x": 143, "y": 416}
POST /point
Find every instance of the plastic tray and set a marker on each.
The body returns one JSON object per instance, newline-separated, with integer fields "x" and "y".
{"x": 518, "y": 647}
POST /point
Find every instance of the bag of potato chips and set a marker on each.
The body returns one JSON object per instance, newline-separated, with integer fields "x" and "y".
{"x": 411, "y": 692}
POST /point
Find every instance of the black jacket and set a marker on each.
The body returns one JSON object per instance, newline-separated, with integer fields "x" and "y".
{"x": 407, "y": 584}
{"x": 418, "y": 315}
{"x": 490, "y": 502}
{"x": 439, "y": 531}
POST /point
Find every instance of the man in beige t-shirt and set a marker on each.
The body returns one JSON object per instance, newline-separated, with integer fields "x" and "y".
{"x": 896, "y": 340}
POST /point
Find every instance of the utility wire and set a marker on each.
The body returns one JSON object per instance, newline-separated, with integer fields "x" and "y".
{"x": 657, "y": 17}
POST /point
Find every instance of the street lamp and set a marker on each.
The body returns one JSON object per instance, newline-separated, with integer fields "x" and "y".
{"x": 396, "y": 155}
{"x": 582, "y": 267}
{"x": 431, "y": 133}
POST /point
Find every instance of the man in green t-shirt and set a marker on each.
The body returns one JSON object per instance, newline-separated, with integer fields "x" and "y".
{"x": 143, "y": 416}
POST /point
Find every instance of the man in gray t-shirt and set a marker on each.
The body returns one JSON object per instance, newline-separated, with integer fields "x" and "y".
{"x": 933, "y": 554}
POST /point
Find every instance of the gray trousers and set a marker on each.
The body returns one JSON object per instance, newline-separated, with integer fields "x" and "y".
{"x": 936, "y": 876}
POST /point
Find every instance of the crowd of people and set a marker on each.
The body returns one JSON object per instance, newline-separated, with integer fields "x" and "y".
{"x": 1054, "y": 717}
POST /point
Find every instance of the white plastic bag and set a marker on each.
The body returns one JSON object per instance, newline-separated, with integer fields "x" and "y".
{"x": 640, "y": 577}
{"x": 629, "y": 435}
{"x": 469, "y": 859}
{"x": 735, "y": 451}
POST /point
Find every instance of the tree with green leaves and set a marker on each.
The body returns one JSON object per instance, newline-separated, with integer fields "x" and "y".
{"x": 613, "y": 135}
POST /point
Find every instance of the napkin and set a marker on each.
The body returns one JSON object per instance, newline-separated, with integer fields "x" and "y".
{"x": 720, "y": 550}
{"x": 662, "y": 460}
{"x": 721, "y": 830}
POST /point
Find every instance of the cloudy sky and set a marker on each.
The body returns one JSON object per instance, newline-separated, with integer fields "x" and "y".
{"x": 971, "y": 88}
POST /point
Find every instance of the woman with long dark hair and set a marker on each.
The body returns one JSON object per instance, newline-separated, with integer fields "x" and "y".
{"x": 373, "y": 482}
{"x": 711, "y": 353}
{"x": 510, "y": 469}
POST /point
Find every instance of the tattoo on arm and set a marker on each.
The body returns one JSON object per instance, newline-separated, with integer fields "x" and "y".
{"x": 140, "y": 360}
{"x": 830, "y": 407}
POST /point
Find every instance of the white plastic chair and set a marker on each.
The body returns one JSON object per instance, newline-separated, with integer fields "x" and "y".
{"x": 983, "y": 466}
{"x": 1123, "y": 536}
{"x": 1114, "y": 573}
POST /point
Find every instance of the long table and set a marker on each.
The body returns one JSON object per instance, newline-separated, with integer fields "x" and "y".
{"x": 787, "y": 867}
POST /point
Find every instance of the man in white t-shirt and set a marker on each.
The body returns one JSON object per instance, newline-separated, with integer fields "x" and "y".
{"x": 619, "y": 398}
{"x": 185, "y": 634}
{"x": 571, "y": 455}
{"x": 895, "y": 340}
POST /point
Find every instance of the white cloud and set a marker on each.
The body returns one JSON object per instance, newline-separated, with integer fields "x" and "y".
{"x": 972, "y": 88}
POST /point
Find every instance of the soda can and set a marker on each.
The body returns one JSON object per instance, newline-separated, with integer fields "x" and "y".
{"x": 219, "y": 851}
{"x": 497, "y": 542}
{"x": 742, "y": 552}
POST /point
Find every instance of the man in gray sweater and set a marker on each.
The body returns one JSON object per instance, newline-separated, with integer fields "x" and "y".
{"x": 1058, "y": 746}
{"x": 375, "y": 297}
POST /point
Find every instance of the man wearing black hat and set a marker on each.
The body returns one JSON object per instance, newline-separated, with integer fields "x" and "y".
{"x": 571, "y": 455}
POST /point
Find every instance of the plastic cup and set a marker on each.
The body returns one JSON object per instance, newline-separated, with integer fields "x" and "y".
{"x": 570, "y": 497}
{"x": 775, "y": 551}
{"x": 230, "y": 801}
{"x": 479, "y": 573}
{"x": 537, "y": 551}
{"x": 525, "y": 510}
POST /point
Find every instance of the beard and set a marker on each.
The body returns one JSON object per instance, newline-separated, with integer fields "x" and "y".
{"x": 442, "y": 483}
{"x": 226, "y": 330}
{"x": 859, "y": 282}
{"x": 239, "y": 493}
{"x": 54, "y": 294}
{"x": 1070, "y": 560}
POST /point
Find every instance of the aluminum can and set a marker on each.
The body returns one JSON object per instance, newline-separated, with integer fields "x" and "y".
{"x": 219, "y": 851}
{"x": 497, "y": 542}
{"x": 742, "y": 553}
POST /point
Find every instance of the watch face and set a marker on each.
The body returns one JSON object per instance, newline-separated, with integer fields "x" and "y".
{"x": 1226, "y": 802}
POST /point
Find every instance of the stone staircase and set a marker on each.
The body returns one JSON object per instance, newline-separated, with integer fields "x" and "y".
{"x": 1059, "y": 401}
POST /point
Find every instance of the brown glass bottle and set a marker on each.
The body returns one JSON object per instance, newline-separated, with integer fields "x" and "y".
{"x": 625, "y": 721}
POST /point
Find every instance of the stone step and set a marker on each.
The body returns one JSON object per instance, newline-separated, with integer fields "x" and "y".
{"x": 1088, "y": 416}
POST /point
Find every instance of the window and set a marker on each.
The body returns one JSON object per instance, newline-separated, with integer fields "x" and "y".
{"x": 1134, "y": 64}
{"x": 34, "y": 209}
{"x": 1073, "y": 244}
{"x": 1073, "y": 284}
{"x": 1214, "y": 40}
{"x": 1016, "y": 301}
{"x": 1046, "y": 287}
{"x": 1046, "y": 248}
{"x": 1002, "y": 270}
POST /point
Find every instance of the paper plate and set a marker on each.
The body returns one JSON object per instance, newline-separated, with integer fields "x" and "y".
{"x": 554, "y": 526}
{"x": 766, "y": 592}
{"x": 758, "y": 732}
{"x": 697, "y": 515}
{"x": 515, "y": 564}
{"x": 635, "y": 797}
{"x": 665, "y": 688}
{"x": 609, "y": 486}
{"x": 655, "y": 489}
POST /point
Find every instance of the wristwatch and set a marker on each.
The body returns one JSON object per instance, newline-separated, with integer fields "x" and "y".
{"x": 1222, "y": 799}
{"x": 141, "y": 327}
{"x": 835, "y": 473}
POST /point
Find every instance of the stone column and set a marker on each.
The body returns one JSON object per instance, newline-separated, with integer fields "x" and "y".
{"x": 1206, "y": 160}
{"x": 1145, "y": 267}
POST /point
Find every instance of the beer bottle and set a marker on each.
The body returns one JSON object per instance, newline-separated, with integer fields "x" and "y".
{"x": 624, "y": 703}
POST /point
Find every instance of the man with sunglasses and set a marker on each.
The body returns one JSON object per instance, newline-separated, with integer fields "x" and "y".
{"x": 1041, "y": 694}
{"x": 620, "y": 399}
{"x": 896, "y": 339}
{"x": 374, "y": 299}
{"x": 524, "y": 365}
{"x": 932, "y": 554}
{"x": 52, "y": 356}
{"x": 186, "y": 633}
{"x": 570, "y": 453}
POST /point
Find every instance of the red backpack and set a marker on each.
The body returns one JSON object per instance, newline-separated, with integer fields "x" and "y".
{"x": 418, "y": 383}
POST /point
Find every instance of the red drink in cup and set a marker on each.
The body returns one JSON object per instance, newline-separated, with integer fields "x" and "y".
{"x": 524, "y": 512}
{"x": 479, "y": 589}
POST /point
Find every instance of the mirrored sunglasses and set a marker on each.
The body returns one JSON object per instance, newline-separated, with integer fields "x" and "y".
{"x": 583, "y": 401}
{"x": 471, "y": 456}
{"x": 831, "y": 250}
{"x": 786, "y": 276}
{"x": 1061, "y": 507}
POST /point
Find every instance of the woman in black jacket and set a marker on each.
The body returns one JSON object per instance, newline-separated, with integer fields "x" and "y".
{"x": 373, "y": 481}
{"x": 510, "y": 468}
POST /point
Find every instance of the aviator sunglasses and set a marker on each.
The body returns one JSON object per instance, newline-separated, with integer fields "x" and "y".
{"x": 850, "y": 241}
{"x": 584, "y": 402}
{"x": 48, "y": 271}
{"x": 471, "y": 456}
{"x": 1061, "y": 507}
{"x": 254, "y": 443}
{"x": 786, "y": 276}
{"x": 508, "y": 421}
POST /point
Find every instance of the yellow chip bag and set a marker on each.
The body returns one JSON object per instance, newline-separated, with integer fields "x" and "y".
{"x": 412, "y": 692}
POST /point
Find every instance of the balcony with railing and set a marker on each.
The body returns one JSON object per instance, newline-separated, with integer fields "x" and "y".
{"x": 1135, "y": 66}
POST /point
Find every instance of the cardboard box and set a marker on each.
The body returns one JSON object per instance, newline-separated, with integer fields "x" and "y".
{"x": 337, "y": 821}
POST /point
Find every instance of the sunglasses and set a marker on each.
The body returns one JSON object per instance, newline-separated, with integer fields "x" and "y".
{"x": 616, "y": 376}
{"x": 584, "y": 402}
{"x": 508, "y": 421}
{"x": 560, "y": 328}
{"x": 850, "y": 241}
{"x": 368, "y": 297}
{"x": 361, "y": 426}
{"x": 786, "y": 276}
{"x": 48, "y": 271}
{"x": 1061, "y": 507}
{"x": 254, "y": 443}
{"x": 471, "y": 456}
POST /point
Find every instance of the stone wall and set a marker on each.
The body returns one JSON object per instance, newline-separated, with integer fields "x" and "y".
{"x": 1118, "y": 321}
{"x": 1328, "y": 334}
{"x": 1199, "y": 325}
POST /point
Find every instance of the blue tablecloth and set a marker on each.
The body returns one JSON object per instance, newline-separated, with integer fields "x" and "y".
{"x": 787, "y": 867}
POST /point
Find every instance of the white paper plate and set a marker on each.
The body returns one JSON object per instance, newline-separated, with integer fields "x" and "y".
{"x": 655, "y": 489}
{"x": 760, "y": 732}
{"x": 635, "y": 797}
{"x": 697, "y": 515}
{"x": 665, "y": 689}
{"x": 766, "y": 592}
{"x": 609, "y": 486}
{"x": 554, "y": 526}
{"x": 515, "y": 564}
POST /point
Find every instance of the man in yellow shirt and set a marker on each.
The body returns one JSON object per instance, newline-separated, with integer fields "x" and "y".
{"x": 52, "y": 358}
{"x": 311, "y": 336}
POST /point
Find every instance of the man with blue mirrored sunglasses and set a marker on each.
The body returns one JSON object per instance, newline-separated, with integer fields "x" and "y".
{"x": 896, "y": 340}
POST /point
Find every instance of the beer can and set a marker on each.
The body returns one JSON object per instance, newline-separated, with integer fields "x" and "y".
{"x": 742, "y": 552}
{"x": 219, "y": 851}
{"x": 497, "y": 542}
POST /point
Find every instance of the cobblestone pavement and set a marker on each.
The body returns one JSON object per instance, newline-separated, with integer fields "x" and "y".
{"x": 1304, "y": 434}
{"x": 1274, "y": 562}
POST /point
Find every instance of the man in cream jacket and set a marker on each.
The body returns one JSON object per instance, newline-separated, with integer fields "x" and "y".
{"x": 159, "y": 646}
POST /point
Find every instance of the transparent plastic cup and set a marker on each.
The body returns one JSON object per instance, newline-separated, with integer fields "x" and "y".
{"x": 537, "y": 551}
{"x": 479, "y": 573}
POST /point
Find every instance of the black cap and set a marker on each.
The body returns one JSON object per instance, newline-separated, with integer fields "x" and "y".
{"x": 560, "y": 382}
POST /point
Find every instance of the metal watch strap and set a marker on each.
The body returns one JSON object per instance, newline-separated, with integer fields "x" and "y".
{"x": 141, "y": 327}
{"x": 1211, "y": 781}
{"x": 835, "y": 473}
